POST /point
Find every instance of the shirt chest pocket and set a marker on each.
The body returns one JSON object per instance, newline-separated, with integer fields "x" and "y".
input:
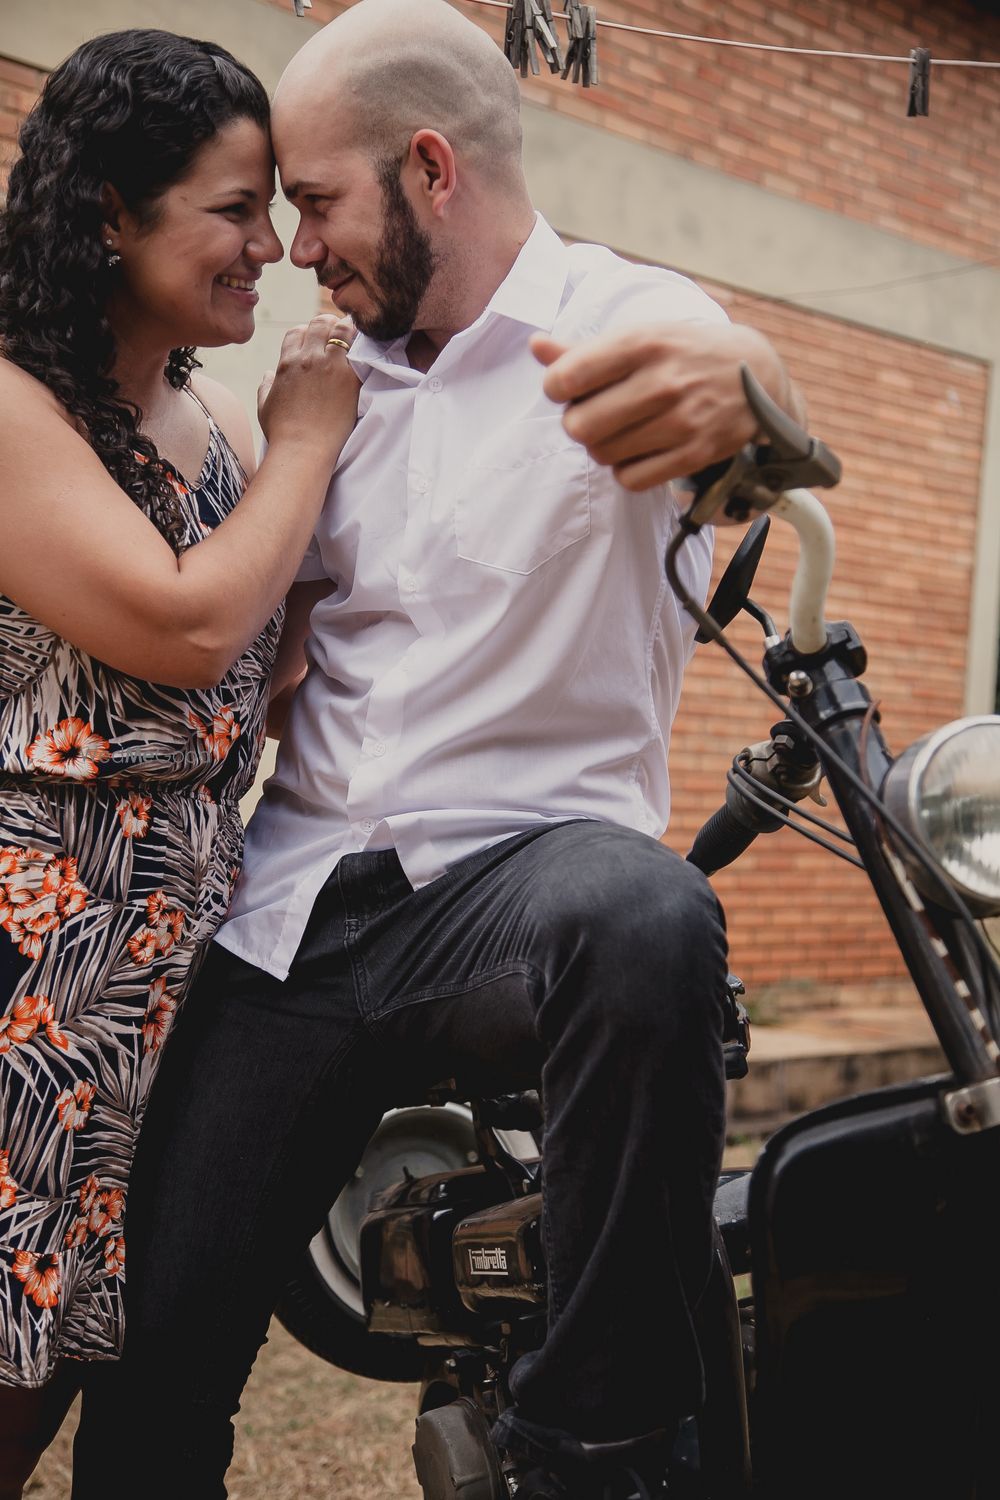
{"x": 524, "y": 498}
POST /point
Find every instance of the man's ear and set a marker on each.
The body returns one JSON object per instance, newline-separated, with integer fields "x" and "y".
{"x": 432, "y": 169}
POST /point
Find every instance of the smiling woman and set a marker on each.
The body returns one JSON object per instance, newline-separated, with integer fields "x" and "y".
{"x": 141, "y": 583}
{"x": 193, "y": 258}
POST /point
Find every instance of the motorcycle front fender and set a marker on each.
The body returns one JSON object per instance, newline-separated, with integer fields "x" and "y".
{"x": 873, "y": 1236}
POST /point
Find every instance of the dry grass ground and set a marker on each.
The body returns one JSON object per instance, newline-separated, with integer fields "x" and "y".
{"x": 306, "y": 1432}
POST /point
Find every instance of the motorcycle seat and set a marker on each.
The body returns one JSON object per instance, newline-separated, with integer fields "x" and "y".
{"x": 731, "y": 1215}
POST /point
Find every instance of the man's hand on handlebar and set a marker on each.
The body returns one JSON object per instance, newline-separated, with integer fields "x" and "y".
{"x": 659, "y": 403}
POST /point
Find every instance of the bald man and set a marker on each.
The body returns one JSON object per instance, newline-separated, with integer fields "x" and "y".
{"x": 480, "y": 666}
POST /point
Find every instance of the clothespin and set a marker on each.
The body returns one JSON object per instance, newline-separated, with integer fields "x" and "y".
{"x": 530, "y": 25}
{"x": 920, "y": 82}
{"x": 581, "y": 54}
{"x": 301, "y": 6}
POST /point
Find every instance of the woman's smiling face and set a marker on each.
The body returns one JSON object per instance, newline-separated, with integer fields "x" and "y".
{"x": 187, "y": 274}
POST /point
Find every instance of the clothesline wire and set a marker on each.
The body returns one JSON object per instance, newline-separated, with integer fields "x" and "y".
{"x": 884, "y": 286}
{"x": 719, "y": 41}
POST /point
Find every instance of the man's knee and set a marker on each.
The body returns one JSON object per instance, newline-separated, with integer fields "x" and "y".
{"x": 626, "y": 893}
{"x": 636, "y": 933}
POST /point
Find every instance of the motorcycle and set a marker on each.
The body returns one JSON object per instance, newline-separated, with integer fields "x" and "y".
{"x": 850, "y": 1331}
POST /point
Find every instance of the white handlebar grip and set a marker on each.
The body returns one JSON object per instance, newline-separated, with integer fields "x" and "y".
{"x": 814, "y": 569}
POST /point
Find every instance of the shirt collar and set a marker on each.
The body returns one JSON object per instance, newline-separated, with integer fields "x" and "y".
{"x": 530, "y": 293}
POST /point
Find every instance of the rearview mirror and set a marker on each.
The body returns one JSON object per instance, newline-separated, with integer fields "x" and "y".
{"x": 734, "y": 585}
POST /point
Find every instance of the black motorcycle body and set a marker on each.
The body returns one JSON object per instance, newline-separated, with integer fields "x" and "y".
{"x": 872, "y": 1227}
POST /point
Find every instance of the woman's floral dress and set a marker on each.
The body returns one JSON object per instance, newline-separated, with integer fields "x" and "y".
{"x": 120, "y": 841}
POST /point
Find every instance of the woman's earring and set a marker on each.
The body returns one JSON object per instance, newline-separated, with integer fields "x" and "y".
{"x": 113, "y": 259}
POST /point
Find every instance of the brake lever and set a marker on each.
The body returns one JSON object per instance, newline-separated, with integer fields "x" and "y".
{"x": 756, "y": 476}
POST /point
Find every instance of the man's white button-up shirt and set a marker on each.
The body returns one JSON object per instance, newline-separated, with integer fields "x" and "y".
{"x": 500, "y": 648}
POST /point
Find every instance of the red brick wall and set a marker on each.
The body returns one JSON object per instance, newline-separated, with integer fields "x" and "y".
{"x": 19, "y": 87}
{"x": 832, "y": 132}
{"x": 907, "y": 422}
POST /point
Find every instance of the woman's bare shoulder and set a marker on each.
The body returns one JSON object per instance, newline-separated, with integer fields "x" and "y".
{"x": 230, "y": 415}
{"x": 24, "y": 392}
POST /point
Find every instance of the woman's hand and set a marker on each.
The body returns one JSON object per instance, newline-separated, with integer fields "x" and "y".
{"x": 312, "y": 397}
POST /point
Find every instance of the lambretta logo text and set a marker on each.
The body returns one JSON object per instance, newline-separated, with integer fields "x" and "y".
{"x": 488, "y": 1262}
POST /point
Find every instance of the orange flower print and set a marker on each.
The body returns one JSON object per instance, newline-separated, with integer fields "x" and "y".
{"x": 40, "y": 1275}
{"x": 76, "y": 1234}
{"x": 29, "y": 1014}
{"x": 20, "y": 1023}
{"x": 47, "y": 1018}
{"x": 36, "y": 899}
{"x": 29, "y": 915}
{"x": 59, "y": 879}
{"x": 204, "y": 794}
{"x": 133, "y": 814}
{"x": 14, "y": 860}
{"x": 165, "y": 926}
{"x": 105, "y": 1210}
{"x": 220, "y": 738}
{"x": 88, "y": 1193}
{"x": 143, "y": 946}
{"x": 114, "y": 1256}
{"x": 159, "y": 1014}
{"x": 73, "y": 1106}
{"x": 71, "y": 749}
{"x": 8, "y": 1187}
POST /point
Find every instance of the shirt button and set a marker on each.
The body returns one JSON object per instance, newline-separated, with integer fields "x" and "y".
{"x": 367, "y": 825}
{"x": 434, "y": 384}
{"x": 378, "y": 748}
{"x": 409, "y": 584}
{"x": 421, "y": 484}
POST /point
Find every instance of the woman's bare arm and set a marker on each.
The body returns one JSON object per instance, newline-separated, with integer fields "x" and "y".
{"x": 79, "y": 556}
{"x": 290, "y": 662}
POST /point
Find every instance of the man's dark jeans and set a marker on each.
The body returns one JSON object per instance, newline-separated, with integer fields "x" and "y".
{"x": 270, "y": 1091}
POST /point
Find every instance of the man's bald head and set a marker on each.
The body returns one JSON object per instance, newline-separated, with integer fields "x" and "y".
{"x": 388, "y": 68}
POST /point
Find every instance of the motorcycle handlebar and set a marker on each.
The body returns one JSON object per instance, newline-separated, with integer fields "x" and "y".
{"x": 725, "y": 837}
{"x": 801, "y": 509}
{"x": 719, "y": 841}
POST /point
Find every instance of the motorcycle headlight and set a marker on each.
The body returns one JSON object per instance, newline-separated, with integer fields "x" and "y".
{"x": 945, "y": 790}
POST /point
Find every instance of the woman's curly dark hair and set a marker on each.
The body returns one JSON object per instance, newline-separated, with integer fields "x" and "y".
{"x": 132, "y": 109}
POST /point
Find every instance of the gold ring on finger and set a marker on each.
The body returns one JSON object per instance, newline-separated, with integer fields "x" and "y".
{"x": 340, "y": 343}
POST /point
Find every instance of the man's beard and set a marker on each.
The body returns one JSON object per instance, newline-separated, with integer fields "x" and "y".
{"x": 405, "y": 263}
